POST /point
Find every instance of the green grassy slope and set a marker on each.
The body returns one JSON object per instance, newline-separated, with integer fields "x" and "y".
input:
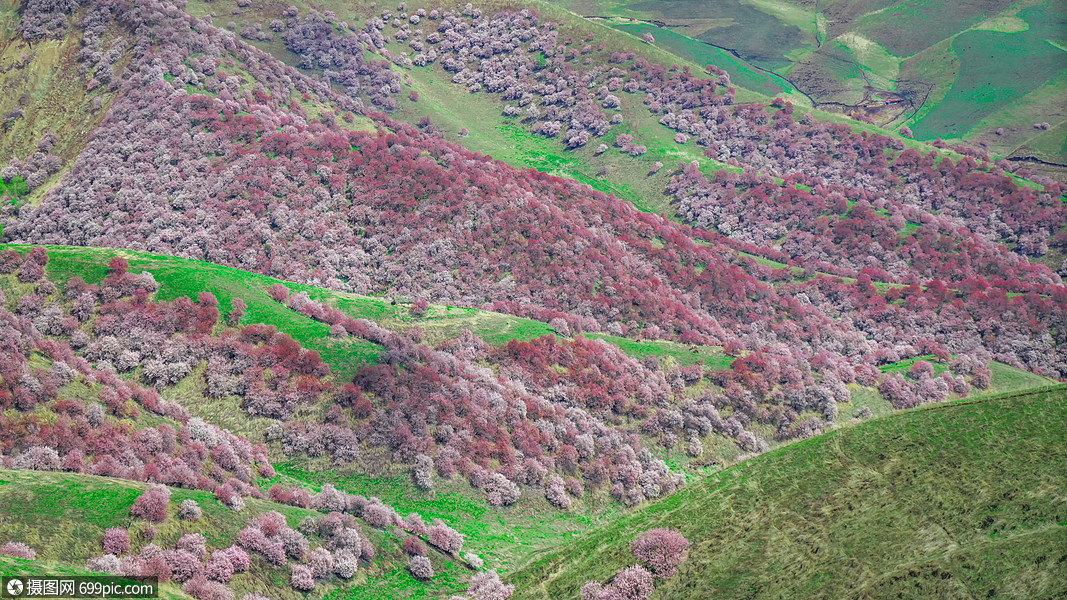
{"x": 63, "y": 517}
{"x": 963, "y": 500}
{"x": 186, "y": 277}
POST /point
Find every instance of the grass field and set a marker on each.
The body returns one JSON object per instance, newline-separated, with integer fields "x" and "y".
{"x": 1006, "y": 379}
{"x": 503, "y": 537}
{"x": 906, "y": 28}
{"x": 990, "y": 76}
{"x": 1043, "y": 104}
{"x": 741, "y": 72}
{"x": 63, "y": 517}
{"x": 757, "y": 36}
{"x": 1049, "y": 146}
{"x": 958, "y": 500}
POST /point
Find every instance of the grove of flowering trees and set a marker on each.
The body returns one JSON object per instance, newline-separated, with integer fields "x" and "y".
{"x": 245, "y": 178}
{"x": 886, "y": 254}
{"x": 560, "y": 415}
{"x": 531, "y": 429}
{"x": 52, "y": 429}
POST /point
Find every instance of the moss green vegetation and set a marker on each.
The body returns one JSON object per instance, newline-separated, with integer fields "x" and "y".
{"x": 863, "y": 396}
{"x": 956, "y": 500}
{"x": 1049, "y": 146}
{"x": 990, "y": 77}
{"x": 741, "y": 72}
{"x": 13, "y": 190}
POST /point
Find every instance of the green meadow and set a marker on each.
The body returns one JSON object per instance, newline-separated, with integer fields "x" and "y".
{"x": 950, "y": 501}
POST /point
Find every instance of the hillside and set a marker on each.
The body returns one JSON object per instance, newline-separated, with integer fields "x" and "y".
{"x": 184, "y": 277}
{"x": 391, "y": 301}
{"x": 953, "y": 501}
{"x": 63, "y": 517}
{"x": 135, "y": 415}
{"x": 181, "y": 277}
{"x": 59, "y": 538}
{"x": 685, "y": 270}
{"x": 946, "y": 79}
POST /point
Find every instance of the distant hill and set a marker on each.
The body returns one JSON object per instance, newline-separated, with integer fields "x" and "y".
{"x": 984, "y": 71}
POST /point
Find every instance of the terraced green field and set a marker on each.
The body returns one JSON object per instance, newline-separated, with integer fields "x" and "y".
{"x": 906, "y": 28}
{"x": 741, "y": 72}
